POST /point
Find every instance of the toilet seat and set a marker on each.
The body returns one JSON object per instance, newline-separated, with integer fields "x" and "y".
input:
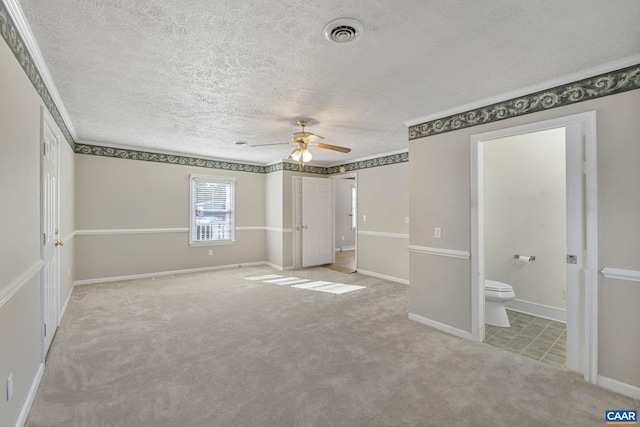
{"x": 492, "y": 285}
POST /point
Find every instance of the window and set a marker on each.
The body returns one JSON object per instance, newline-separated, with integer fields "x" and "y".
{"x": 212, "y": 210}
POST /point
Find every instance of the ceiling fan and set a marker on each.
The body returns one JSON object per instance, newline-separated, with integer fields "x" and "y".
{"x": 302, "y": 140}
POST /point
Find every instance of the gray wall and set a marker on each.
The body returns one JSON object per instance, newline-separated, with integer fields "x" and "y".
{"x": 440, "y": 196}
{"x": 114, "y": 194}
{"x": 20, "y": 262}
{"x": 525, "y": 213}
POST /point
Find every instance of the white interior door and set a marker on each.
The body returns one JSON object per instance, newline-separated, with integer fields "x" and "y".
{"x": 576, "y": 245}
{"x": 50, "y": 233}
{"x": 317, "y": 226}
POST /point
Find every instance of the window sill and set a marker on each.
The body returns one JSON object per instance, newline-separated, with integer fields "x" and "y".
{"x": 212, "y": 243}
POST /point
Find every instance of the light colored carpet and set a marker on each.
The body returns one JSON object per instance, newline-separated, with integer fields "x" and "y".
{"x": 215, "y": 349}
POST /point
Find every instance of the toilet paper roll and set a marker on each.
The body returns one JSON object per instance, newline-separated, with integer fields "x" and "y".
{"x": 525, "y": 259}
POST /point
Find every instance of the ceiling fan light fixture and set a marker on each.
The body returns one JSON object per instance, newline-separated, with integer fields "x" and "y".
{"x": 306, "y": 156}
{"x": 296, "y": 154}
{"x": 343, "y": 30}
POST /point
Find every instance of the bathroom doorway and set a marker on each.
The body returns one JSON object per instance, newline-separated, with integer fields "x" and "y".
{"x": 345, "y": 220}
{"x": 555, "y": 223}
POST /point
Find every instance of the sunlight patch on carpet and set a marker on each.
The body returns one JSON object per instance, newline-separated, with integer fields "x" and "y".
{"x": 296, "y": 282}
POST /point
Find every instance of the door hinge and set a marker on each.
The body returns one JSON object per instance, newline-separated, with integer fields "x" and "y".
{"x": 44, "y": 239}
{"x": 45, "y": 329}
{"x": 44, "y": 148}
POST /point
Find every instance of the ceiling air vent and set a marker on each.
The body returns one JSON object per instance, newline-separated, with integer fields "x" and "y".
{"x": 343, "y": 30}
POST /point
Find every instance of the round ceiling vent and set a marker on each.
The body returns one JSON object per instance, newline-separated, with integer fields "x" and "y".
{"x": 343, "y": 30}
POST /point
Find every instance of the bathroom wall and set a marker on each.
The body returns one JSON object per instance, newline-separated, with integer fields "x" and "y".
{"x": 345, "y": 235}
{"x": 525, "y": 213}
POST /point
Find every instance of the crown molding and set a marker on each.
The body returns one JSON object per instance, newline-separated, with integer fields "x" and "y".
{"x": 612, "y": 83}
{"x": 30, "y": 52}
{"x": 569, "y": 78}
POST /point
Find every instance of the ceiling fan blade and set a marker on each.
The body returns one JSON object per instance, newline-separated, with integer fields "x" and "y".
{"x": 313, "y": 137}
{"x": 334, "y": 147}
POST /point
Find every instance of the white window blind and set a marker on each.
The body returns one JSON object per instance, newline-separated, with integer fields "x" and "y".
{"x": 212, "y": 209}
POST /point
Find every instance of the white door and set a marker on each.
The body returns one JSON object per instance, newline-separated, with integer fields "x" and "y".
{"x": 317, "y": 225}
{"x": 50, "y": 233}
{"x": 576, "y": 245}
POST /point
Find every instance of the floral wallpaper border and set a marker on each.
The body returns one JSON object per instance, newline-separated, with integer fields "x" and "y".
{"x": 17, "y": 46}
{"x": 606, "y": 84}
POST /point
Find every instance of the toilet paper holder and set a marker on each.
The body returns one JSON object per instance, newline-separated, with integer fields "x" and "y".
{"x": 531, "y": 258}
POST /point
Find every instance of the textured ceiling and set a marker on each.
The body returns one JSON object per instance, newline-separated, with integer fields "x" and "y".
{"x": 194, "y": 77}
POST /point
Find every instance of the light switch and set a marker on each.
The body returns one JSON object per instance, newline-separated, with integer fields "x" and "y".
{"x": 437, "y": 232}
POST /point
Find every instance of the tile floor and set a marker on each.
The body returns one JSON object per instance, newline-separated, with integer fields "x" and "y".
{"x": 539, "y": 339}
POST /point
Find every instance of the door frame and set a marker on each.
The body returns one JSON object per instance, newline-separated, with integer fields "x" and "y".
{"x": 355, "y": 183}
{"x": 588, "y": 120}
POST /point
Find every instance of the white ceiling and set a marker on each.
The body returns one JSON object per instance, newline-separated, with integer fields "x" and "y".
{"x": 194, "y": 77}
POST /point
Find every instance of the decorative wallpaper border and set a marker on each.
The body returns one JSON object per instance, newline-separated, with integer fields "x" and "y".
{"x": 121, "y": 153}
{"x": 17, "y": 46}
{"x": 595, "y": 87}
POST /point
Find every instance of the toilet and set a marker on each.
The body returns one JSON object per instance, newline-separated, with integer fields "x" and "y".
{"x": 495, "y": 295}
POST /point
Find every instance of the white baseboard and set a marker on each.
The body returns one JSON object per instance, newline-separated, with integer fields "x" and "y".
{"x": 167, "y": 273}
{"x": 24, "y": 413}
{"x": 383, "y": 276}
{"x": 442, "y": 327}
{"x": 279, "y": 267}
{"x": 619, "y": 387}
{"x": 538, "y": 310}
{"x": 345, "y": 248}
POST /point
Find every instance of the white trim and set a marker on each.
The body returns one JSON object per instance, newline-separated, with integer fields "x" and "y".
{"x": 279, "y": 230}
{"x": 17, "y": 15}
{"x": 450, "y": 253}
{"x": 130, "y": 231}
{"x": 383, "y": 234}
{"x": 250, "y": 228}
{"x": 621, "y": 274}
{"x": 538, "y": 310}
{"x": 619, "y": 387}
{"x": 590, "y": 319}
{"x": 442, "y": 327}
{"x": 278, "y": 267}
{"x": 166, "y": 273}
{"x": 345, "y": 248}
{"x": 569, "y": 78}
{"x": 383, "y": 276}
{"x": 19, "y": 282}
{"x": 24, "y": 413}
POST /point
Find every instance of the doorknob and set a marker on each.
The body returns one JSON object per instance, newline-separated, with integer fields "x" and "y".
{"x": 298, "y": 228}
{"x": 59, "y": 243}
{"x": 306, "y": 227}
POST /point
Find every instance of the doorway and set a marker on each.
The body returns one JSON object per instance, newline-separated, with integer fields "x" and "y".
{"x": 345, "y": 191}
{"x": 580, "y": 236}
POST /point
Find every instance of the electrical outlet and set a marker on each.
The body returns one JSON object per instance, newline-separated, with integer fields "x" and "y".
{"x": 437, "y": 232}
{"x": 10, "y": 386}
{"x": 210, "y": 251}
{"x": 406, "y": 220}
{"x": 364, "y": 217}
{"x": 342, "y": 237}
